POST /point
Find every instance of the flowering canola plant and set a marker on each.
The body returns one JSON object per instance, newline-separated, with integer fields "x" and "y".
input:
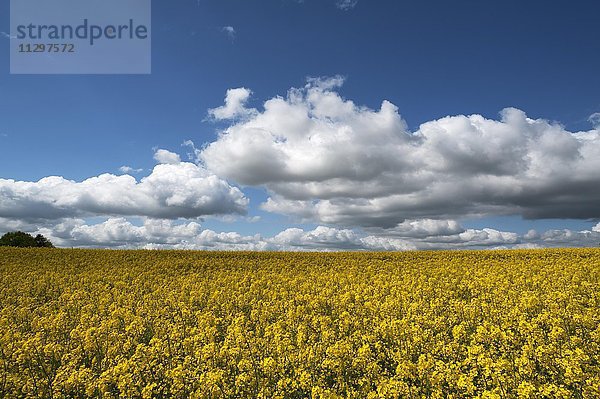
{"x": 182, "y": 324}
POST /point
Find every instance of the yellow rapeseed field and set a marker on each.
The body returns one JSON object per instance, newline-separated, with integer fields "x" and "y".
{"x": 176, "y": 324}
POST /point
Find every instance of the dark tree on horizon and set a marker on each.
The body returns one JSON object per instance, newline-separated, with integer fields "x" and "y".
{"x": 24, "y": 240}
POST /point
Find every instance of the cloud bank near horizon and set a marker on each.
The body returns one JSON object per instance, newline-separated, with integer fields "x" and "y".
{"x": 121, "y": 233}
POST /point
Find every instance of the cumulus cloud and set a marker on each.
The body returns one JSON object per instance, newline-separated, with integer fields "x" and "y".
{"x": 235, "y": 105}
{"x": 330, "y": 238}
{"x": 570, "y": 238}
{"x": 326, "y": 159}
{"x": 171, "y": 191}
{"x": 166, "y": 234}
{"x": 486, "y": 237}
{"x": 561, "y": 238}
{"x": 447, "y": 234}
{"x": 423, "y": 228}
{"x": 8, "y": 224}
{"x": 531, "y": 235}
{"x": 120, "y": 232}
{"x": 166, "y": 157}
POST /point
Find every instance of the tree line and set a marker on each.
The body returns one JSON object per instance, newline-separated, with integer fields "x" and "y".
{"x": 24, "y": 240}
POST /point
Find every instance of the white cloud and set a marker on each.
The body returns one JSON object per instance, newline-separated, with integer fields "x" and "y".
{"x": 129, "y": 170}
{"x": 527, "y": 245}
{"x": 423, "y": 228}
{"x": 594, "y": 119}
{"x": 330, "y": 238}
{"x": 235, "y": 105}
{"x": 325, "y": 159}
{"x": 346, "y": 4}
{"x": 486, "y": 237}
{"x": 563, "y": 238}
{"x": 447, "y": 234}
{"x": 8, "y": 224}
{"x": 531, "y": 235}
{"x": 570, "y": 238}
{"x": 119, "y": 232}
{"x": 375, "y": 243}
{"x": 163, "y": 234}
{"x": 166, "y": 157}
{"x": 229, "y": 31}
{"x": 171, "y": 191}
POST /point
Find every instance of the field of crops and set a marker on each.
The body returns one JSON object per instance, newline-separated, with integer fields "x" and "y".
{"x": 144, "y": 324}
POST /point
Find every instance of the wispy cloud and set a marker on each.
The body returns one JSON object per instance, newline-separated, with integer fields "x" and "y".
{"x": 346, "y": 5}
{"x": 129, "y": 169}
{"x": 229, "y": 31}
{"x": 594, "y": 119}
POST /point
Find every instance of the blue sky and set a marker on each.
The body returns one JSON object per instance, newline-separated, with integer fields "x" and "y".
{"x": 430, "y": 59}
